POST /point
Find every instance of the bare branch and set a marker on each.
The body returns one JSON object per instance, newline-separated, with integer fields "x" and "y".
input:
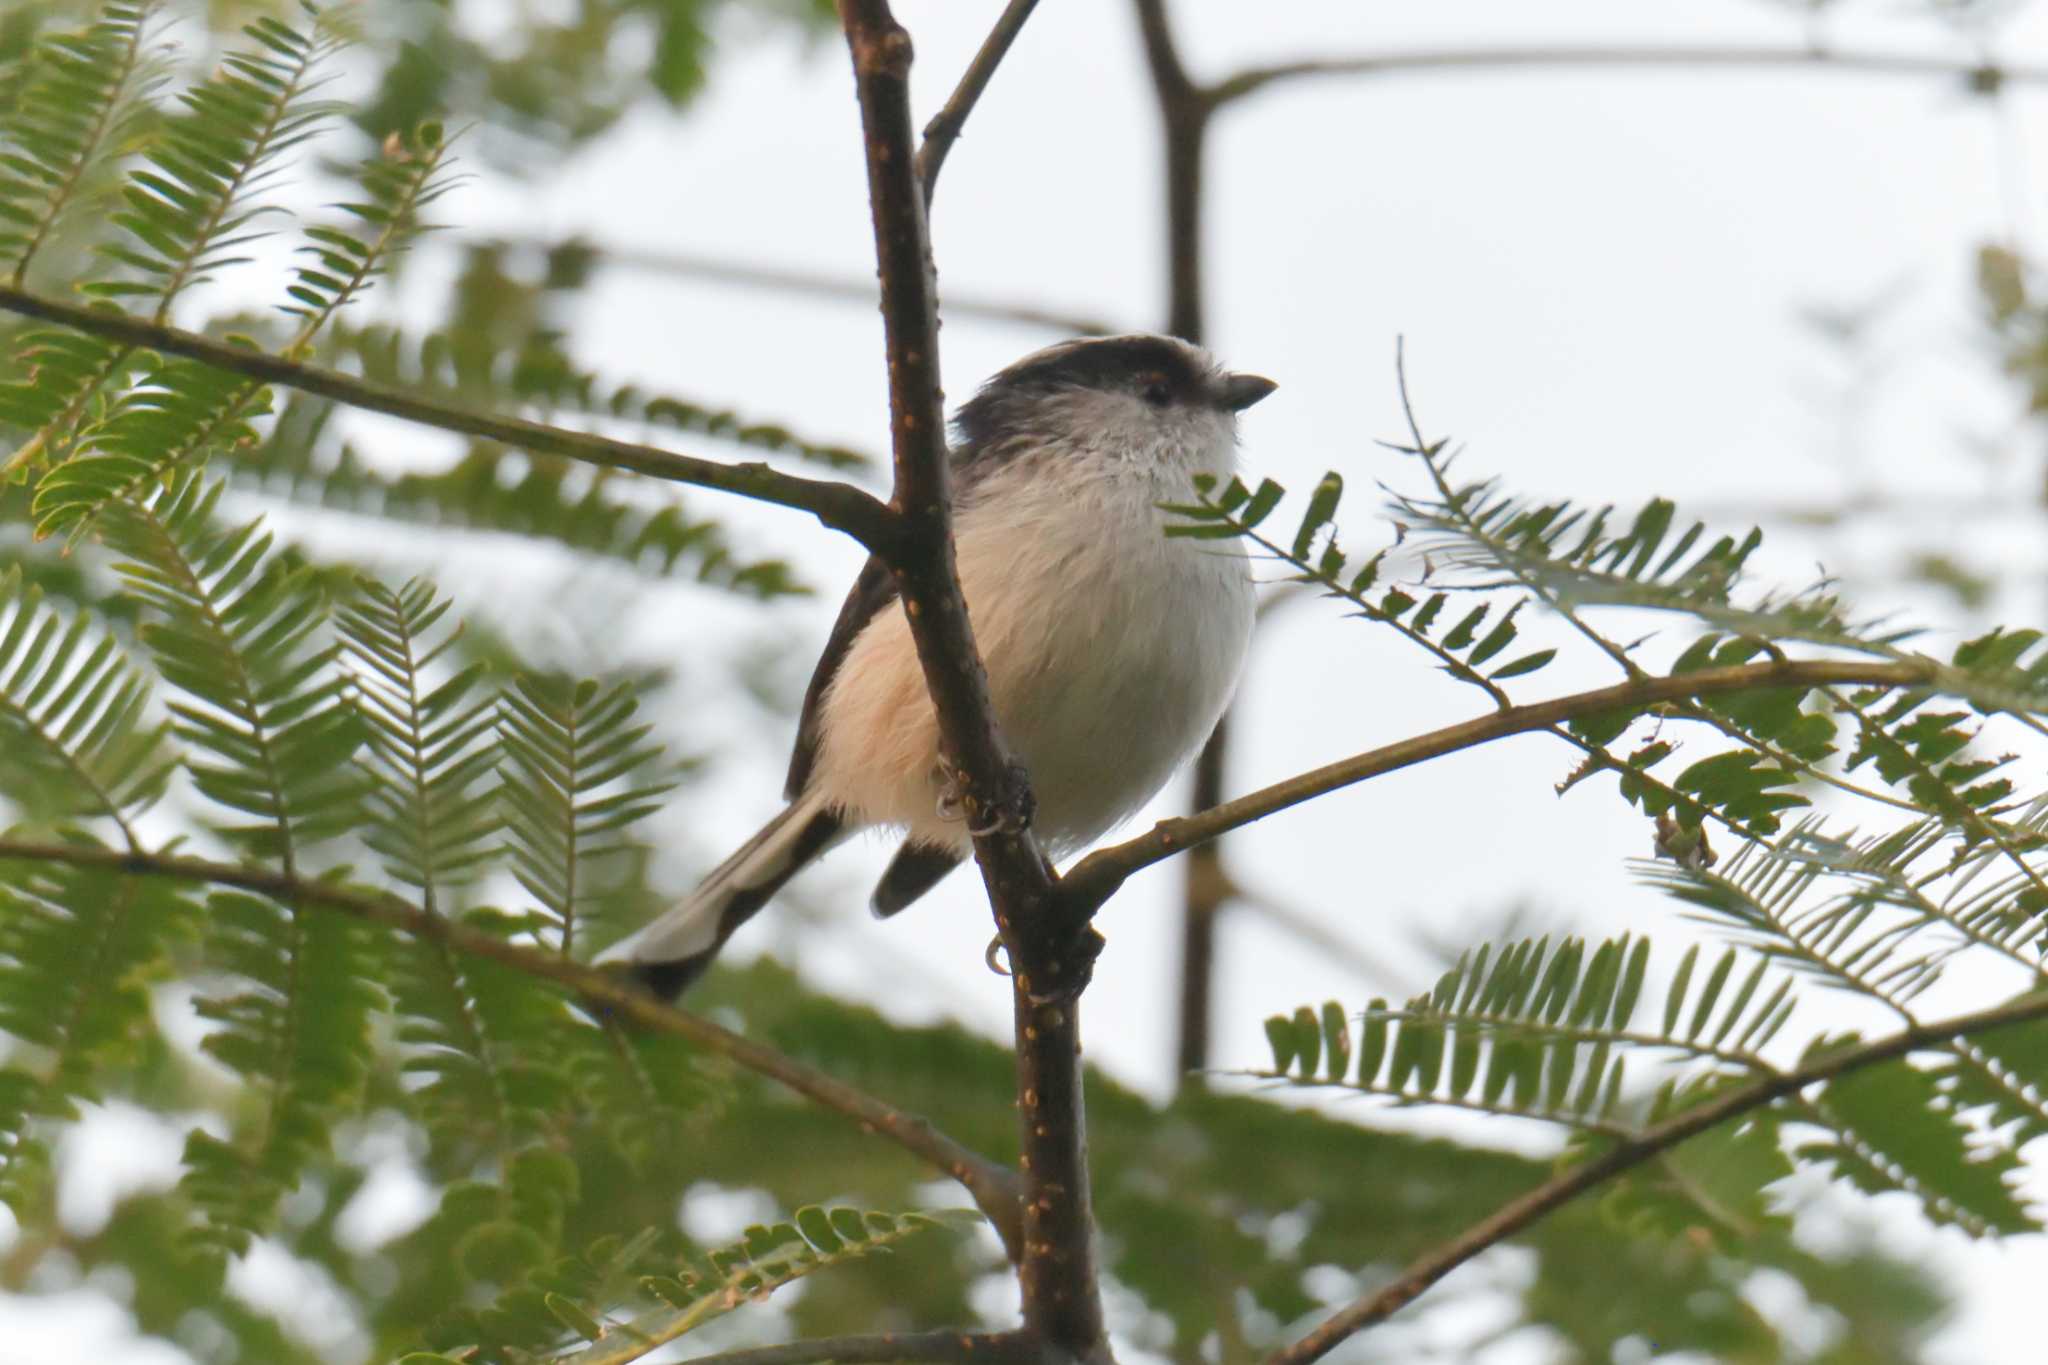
{"x": 840, "y": 506}
{"x": 1184, "y": 110}
{"x": 993, "y": 1187}
{"x": 944, "y": 128}
{"x": 1050, "y": 951}
{"x": 1519, "y": 1213}
{"x": 1097, "y": 876}
{"x": 817, "y": 284}
{"x": 1980, "y": 77}
{"x": 1184, "y": 126}
{"x": 946, "y": 1348}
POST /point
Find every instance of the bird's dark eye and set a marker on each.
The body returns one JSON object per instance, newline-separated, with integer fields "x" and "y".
{"x": 1158, "y": 393}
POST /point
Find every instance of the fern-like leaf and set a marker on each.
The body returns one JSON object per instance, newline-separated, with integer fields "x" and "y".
{"x": 82, "y": 103}
{"x": 581, "y": 774}
{"x": 240, "y": 632}
{"x": 535, "y": 373}
{"x": 552, "y": 499}
{"x": 77, "y": 738}
{"x": 182, "y": 410}
{"x": 1540, "y": 1030}
{"x": 768, "y": 1258}
{"x": 297, "y": 1030}
{"x": 1894, "y": 1130}
{"x": 186, "y": 215}
{"x": 431, "y": 807}
{"x": 81, "y": 1022}
{"x": 191, "y": 213}
{"x": 488, "y": 1048}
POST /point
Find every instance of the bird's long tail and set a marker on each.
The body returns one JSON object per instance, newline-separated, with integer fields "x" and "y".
{"x": 672, "y": 952}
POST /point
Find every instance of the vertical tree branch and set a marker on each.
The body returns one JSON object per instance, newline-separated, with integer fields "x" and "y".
{"x": 1205, "y": 891}
{"x": 1184, "y": 110}
{"x": 1049, "y": 952}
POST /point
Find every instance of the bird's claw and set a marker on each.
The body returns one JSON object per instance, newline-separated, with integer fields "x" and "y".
{"x": 1002, "y": 816}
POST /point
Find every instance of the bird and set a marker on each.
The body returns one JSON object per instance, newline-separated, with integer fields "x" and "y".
{"x": 1111, "y": 648}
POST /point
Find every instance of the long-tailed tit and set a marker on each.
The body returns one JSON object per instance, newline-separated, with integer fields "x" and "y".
{"x": 1111, "y": 649}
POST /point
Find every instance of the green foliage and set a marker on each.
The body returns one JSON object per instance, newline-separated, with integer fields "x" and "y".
{"x": 580, "y": 775}
{"x": 1537, "y": 1030}
{"x": 239, "y": 631}
{"x": 769, "y": 1257}
{"x": 182, "y": 410}
{"x": 549, "y": 500}
{"x": 1543, "y": 1031}
{"x": 81, "y": 1023}
{"x": 295, "y": 1026}
{"x": 189, "y": 213}
{"x": 1195, "y": 1209}
{"x": 318, "y": 715}
{"x": 430, "y": 801}
{"x": 500, "y": 351}
{"x": 1892, "y": 1128}
{"x": 83, "y": 100}
{"x": 76, "y": 715}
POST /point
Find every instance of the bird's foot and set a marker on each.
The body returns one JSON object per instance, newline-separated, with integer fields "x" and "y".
{"x": 1009, "y": 812}
{"x": 1060, "y": 975}
{"x": 1064, "y": 972}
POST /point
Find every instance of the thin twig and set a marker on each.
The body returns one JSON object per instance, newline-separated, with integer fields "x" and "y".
{"x": 816, "y": 284}
{"x": 1049, "y": 951}
{"x": 1519, "y": 1213}
{"x": 1981, "y": 77}
{"x": 993, "y": 1187}
{"x": 840, "y": 506}
{"x": 946, "y": 1348}
{"x": 944, "y": 128}
{"x": 1102, "y": 872}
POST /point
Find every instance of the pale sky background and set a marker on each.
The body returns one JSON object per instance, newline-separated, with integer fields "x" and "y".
{"x": 1600, "y": 277}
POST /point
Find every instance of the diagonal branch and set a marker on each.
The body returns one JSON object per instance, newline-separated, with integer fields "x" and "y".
{"x": 945, "y": 1348}
{"x": 1982, "y": 77}
{"x": 1050, "y": 952}
{"x": 993, "y": 1186}
{"x": 944, "y": 129}
{"x": 1519, "y": 1213}
{"x": 840, "y": 506}
{"x": 1097, "y": 877}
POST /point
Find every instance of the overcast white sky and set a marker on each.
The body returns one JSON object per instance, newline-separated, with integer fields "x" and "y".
{"x": 1599, "y": 277}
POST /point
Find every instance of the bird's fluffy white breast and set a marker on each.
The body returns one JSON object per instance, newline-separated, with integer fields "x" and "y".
{"x": 1111, "y": 649}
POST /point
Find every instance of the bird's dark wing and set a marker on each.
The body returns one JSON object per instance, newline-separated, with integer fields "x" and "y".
{"x": 874, "y": 591}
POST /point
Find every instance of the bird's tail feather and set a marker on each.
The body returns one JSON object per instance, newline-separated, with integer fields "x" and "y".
{"x": 672, "y": 952}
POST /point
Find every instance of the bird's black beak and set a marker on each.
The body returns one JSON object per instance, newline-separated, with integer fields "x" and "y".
{"x": 1240, "y": 391}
